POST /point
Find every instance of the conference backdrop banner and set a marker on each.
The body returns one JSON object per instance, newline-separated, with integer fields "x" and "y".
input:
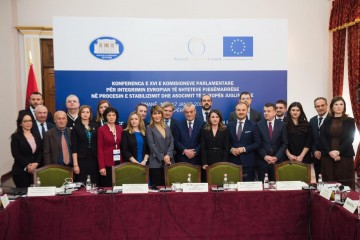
{"x": 128, "y": 61}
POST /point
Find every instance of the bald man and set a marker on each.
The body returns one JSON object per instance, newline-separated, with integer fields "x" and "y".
{"x": 41, "y": 126}
{"x": 57, "y": 142}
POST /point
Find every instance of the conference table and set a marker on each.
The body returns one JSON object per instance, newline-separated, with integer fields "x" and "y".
{"x": 174, "y": 215}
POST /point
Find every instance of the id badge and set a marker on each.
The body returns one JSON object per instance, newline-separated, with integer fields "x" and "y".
{"x": 116, "y": 154}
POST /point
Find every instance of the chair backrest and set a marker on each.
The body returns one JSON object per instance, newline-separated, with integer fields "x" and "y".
{"x": 53, "y": 175}
{"x": 293, "y": 171}
{"x": 178, "y": 172}
{"x": 215, "y": 173}
{"x": 129, "y": 172}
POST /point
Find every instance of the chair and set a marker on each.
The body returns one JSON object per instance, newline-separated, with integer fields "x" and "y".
{"x": 129, "y": 172}
{"x": 178, "y": 172}
{"x": 215, "y": 173}
{"x": 293, "y": 171}
{"x": 53, "y": 175}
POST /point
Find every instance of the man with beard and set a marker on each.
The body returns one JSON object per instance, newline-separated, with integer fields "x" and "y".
{"x": 205, "y": 103}
{"x": 252, "y": 115}
{"x": 36, "y": 99}
{"x": 281, "y": 106}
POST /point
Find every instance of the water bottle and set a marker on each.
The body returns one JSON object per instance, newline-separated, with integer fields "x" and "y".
{"x": 337, "y": 194}
{"x": 189, "y": 178}
{"x": 38, "y": 182}
{"x": 320, "y": 182}
{"x": 266, "y": 181}
{"x": 225, "y": 182}
{"x": 88, "y": 184}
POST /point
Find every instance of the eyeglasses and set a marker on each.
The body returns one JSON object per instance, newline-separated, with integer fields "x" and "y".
{"x": 27, "y": 121}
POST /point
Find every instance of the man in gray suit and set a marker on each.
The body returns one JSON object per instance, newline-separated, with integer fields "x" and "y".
{"x": 252, "y": 115}
{"x": 57, "y": 142}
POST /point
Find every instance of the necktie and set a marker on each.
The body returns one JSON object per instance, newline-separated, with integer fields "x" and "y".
{"x": 64, "y": 148}
{"x": 190, "y": 129}
{"x": 239, "y": 131}
{"x": 167, "y": 122}
{"x": 42, "y": 130}
{"x": 320, "y": 121}
{"x": 206, "y": 116}
{"x": 270, "y": 129}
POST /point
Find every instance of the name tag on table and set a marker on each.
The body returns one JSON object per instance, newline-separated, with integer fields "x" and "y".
{"x": 351, "y": 205}
{"x": 290, "y": 185}
{"x": 326, "y": 192}
{"x": 41, "y": 191}
{"x": 116, "y": 154}
{"x": 135, "y": 188}
{"x": 195, "y": 187}
{"x": 249, "y": 186}
{"x": 4, "y": 200}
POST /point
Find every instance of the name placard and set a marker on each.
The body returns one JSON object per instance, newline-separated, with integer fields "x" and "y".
{"x": 326, "y": 193}
{"x": 249, "y": 186}
{"x": 289, "y": 185}
{"x": 351, "y": 205}
{"x": 195, "y": 187}
{"x": 41, "y": 191}
{"x": 4, "y": 200}
{"x": 135, "y": 188}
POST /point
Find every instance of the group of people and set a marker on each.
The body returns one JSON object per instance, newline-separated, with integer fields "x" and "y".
{"x": 91, "y": 146}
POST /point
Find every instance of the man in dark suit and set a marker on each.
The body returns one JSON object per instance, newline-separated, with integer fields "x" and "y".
{"x": 142, "y": 110}
{"x": 41, "y": 125}
{"x": 57, "y": 142}
{"x": 187, "y": 137}
{"x": 317, "y": 122}
{"x": 72, "y": 104}
{"x": 253, "y": 115}
{"x": 205, "y": 103}
{"x": 273, "y": 135}
{"x": 244, "y": 142}
{"x": 280, "y": 107}
{"x": 168, "y": 109}
{"x": 36, "y": 99}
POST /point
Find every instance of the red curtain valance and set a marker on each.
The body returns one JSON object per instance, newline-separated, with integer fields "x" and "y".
{"x": 344, "y": 13}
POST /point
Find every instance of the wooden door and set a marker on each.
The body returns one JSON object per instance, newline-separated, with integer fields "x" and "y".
{"x": 48, "y": 79}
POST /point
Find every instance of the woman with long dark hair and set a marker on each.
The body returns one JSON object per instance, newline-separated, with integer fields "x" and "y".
{"x": 84, "y": 147}
{"x": 26, "y": 148}
{"x": 299, "y": 134}
{"x": 215, "y": 140}
{"x": 336, "y": 139}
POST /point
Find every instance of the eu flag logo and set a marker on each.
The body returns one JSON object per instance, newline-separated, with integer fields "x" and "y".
{"x": 238, "y": 47}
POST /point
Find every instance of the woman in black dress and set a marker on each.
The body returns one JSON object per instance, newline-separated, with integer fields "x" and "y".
{"x": 299, "y": 134}
{"x": 26, "y": 149}
{"x": 84, "y": 147}
{"x": 336, "y": 139}
{"x": 215, "y": 141}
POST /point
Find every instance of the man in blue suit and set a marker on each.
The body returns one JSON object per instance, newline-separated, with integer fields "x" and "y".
{"x": 187, "y": 136}
{"x": 317, "y": 122}
{"x": 274, "y": 142}
{"x": 244, "y": 142}
{"x": 205, "y": 103}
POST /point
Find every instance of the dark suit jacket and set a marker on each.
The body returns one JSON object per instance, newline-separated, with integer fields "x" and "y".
{"x": 36, "y": 129}
{"x": 214, "y": 149}
{"x": 48, "y": 119}
{"x": 129, "y": 146}
{"x": 52, "y": 146}
{"x": 346, "y": 138}
{"x": 276, "y": 146}
{"x": 106, "y": 145}
{"x": 250, "y": 139}
{"x": 22, "y": 152}
{"x": 316, "y": 131}
{"x": 255, "y": 116}
{"x": 79, "y": 140}
{"x": 183, "y": 141}
{"x": 199, "y": 114}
